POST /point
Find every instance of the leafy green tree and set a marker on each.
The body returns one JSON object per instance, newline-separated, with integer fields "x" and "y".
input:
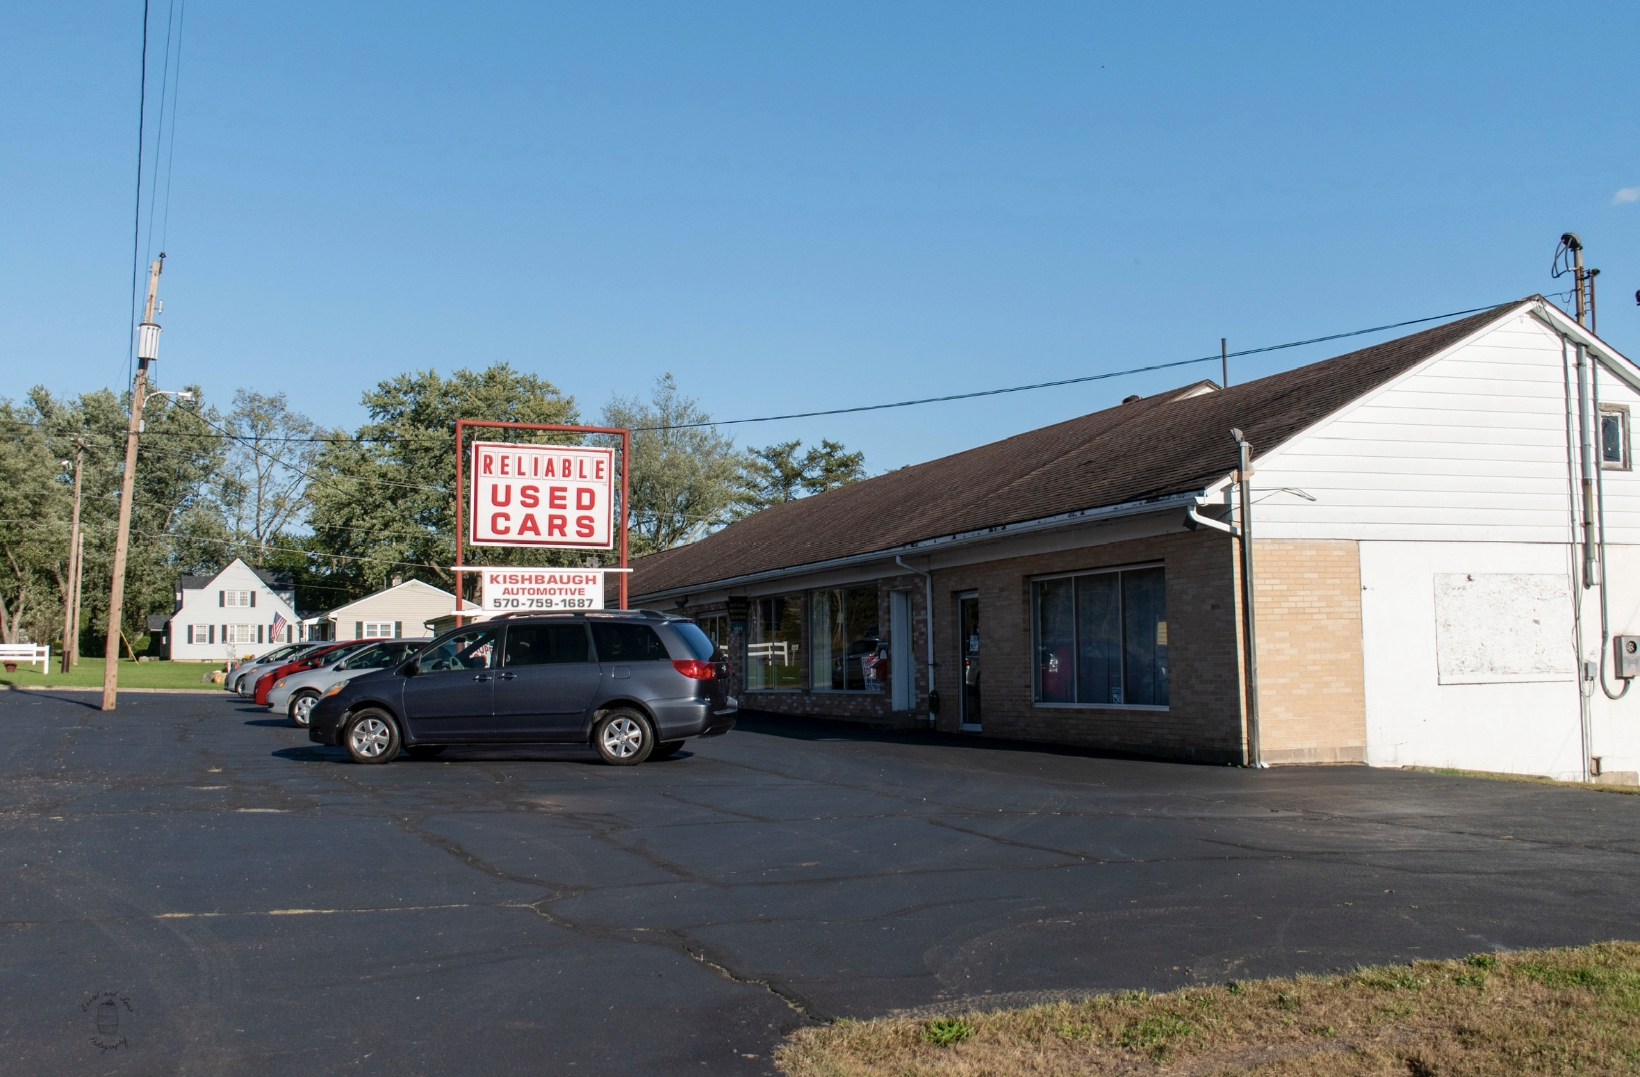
{"x": 776, "y": 473}
{"x": 683, "y": 471}
{"x": 382, "y": 504}
{"x": 33, "y": 525}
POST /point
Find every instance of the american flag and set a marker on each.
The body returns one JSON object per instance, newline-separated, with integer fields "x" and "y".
{"x": 278, "y": 625}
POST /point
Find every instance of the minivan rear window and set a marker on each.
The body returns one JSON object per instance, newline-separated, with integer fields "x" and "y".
{"x": 695, "y": 639}
{"x": 619, "y": 642}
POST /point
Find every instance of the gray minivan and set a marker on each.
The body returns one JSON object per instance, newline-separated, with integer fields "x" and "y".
{"x": 631, "y": 683}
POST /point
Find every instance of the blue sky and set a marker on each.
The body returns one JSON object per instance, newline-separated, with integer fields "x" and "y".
{"x": 800, "y": 207}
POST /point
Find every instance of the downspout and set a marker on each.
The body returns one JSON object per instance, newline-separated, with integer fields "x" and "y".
{"x": 1244, "y": 479}
{"x": 1600, "y": 509}
{"x": 928, "y": 628}
{"x": 1584, "y": 720}
{"x": 1591, "y": 570}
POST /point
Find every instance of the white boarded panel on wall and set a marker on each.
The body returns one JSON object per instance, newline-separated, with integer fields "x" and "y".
{"x": 1503, "y": 627}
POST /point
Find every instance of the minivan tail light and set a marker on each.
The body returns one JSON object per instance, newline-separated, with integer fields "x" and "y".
{"x": 694, "y": 667}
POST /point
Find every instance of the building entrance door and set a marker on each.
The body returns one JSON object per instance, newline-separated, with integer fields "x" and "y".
{"x": 969, "y": 655}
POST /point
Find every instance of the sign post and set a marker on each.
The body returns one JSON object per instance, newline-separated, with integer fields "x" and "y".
{"x": 555, "y": 497}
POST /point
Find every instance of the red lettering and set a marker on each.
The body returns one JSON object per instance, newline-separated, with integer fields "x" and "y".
{"x": 529, "y": 496}
{"x": 489, "y": 463}
{"x": 549, "y": 473}
{"x": 584, "y": 527}
{"x": 598, "y": 469}
{"x": 557, "y": 497}
{"x": 556, "y": 525}
{"x": 496, "y": 488}
{"x": 529, "y": 526}
{"x": 499, "y": 522}
{"x": 505, "y": 461}
{"x": 581, "y": 471}
{"x": 585, "y": 498}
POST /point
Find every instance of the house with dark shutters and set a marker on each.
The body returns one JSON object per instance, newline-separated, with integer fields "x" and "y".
{"x": 1425, "y": 589}
{"x": 237, "y": 613}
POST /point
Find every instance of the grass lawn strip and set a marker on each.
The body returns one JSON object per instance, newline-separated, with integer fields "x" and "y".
{"x": 1567, "y": 1011}
{"x": 89, "y": 674}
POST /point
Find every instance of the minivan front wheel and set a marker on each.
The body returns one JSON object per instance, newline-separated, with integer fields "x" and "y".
{"x": 371, "y": 736}
{"x": 623, "y": 738}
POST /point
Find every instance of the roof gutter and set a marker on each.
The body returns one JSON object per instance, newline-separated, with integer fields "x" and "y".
{"x": 929, "y": 546}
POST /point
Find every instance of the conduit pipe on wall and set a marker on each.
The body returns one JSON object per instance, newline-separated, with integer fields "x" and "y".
{"x": 1600, "y": 538}
{"x": 928, "y": 627}
{"x": 1244, "y": 481}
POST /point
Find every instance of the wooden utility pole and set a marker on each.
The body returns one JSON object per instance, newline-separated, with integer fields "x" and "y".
{"x": 79, "y": 585}
{"x": 147, "y": 352}
{"x": 71, "y": 612}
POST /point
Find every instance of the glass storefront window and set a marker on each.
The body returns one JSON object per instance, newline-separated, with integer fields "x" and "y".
{"x": 843, "y": 640}
{"x": 775, "y": 636}
{"x": 1102, "y": 638}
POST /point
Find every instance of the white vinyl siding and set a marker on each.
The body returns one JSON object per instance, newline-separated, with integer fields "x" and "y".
{"x": 1472, "y": 447}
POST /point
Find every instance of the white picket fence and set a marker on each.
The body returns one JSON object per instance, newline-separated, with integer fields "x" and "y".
{"x": 27, "y": 652}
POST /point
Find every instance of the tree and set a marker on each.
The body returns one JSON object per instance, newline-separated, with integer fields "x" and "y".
{"x": 33, "y": 523}
{"x": 261, "y": 489}
{"x": 683, "y": 471}
{"x": 775, "y": 473}
{"x": 382, "y": 502}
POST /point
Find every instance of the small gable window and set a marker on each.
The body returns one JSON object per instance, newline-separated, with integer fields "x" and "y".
{"x": 238, "y": 598}
{"x": 1614, "y": 437}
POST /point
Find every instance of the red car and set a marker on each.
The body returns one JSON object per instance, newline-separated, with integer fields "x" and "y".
{"x": 333, "y": 653}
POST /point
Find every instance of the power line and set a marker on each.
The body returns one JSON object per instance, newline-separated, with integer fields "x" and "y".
{"x": 170, "y": 157}
{"x": 136, "y": 225}
{"x": 1071, "y": 381}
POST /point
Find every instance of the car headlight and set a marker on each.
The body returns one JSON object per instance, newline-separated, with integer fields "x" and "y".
{"x": 334, "y": 689}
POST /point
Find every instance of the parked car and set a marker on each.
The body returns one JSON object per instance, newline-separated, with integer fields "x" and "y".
{"x": 631, "y": 683}
{"x": 260, "y": 665}
{"x": 296, "y": 693}
{"x": 324, "y": 654}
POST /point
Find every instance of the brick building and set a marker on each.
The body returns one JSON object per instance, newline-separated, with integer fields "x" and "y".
{"x": 1419, "y": 566}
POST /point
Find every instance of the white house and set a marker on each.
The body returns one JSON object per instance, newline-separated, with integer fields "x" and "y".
{"x": 400, "y": 611}
{"x": 239, "y": 612}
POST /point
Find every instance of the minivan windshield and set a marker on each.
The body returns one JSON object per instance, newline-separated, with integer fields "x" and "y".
{"x": 695, "y": 639}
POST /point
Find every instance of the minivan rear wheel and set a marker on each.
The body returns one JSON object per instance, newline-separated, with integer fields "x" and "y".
{"x": 623, "y": 737}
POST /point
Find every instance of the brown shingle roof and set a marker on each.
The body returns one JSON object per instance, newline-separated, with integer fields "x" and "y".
{"x": 1168, "y": 443}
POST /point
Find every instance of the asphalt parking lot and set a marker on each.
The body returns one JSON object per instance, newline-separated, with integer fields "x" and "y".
{"x": 254, "y": 904}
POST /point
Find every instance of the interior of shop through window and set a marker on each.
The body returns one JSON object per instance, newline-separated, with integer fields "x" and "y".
{"x": 1102, "y": 638}
{"x": 846, "y": 653}
{"x": 773, "y": 642}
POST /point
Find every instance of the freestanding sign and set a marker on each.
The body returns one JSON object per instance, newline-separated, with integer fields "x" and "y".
{"x": 519, "y": 589}
{"x": 556, "y": 496}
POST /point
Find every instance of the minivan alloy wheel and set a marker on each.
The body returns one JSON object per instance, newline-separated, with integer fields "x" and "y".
{"x": 301, "y": 709}
{"x": 622, "y": 737}
{"x": 371, "y": 736}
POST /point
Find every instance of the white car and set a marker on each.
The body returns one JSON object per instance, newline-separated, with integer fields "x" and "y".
{"x": 296, "y": 693}
{"x": 245, "y": 674}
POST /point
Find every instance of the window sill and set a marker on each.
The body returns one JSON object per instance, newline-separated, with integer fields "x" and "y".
{"x": 1039, "y": 705}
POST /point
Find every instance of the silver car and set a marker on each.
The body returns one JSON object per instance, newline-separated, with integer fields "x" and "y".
{"x": 296, "y": 693}
{"x": 242, "y": 678}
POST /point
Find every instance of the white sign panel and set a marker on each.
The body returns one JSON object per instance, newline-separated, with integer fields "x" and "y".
{"x": 508, "y": 589}
{"x": 557, "y": 496}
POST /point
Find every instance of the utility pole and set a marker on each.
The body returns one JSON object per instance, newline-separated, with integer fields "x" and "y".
{"x": 79, "y": 585}
{"x": 1224, "y": 363}
{"x": 1244, "y": 482}
{"x": 71, "y": 618}
{"x": 147, "y": 352}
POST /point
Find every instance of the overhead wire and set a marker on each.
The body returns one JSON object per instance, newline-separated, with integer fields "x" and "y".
{"x": 171, "y": 153}
{"x": 136, "y": 226}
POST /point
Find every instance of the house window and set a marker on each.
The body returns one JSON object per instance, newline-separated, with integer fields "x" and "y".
{"x": 843, "y": 639}
{"x": 776, "y": 626}
{"x": 236, "y": 598}
{"x": 373, "y": 629}
{"x": 1614, "y": 437}
{"x": 1101, "y": 638}
{"x": 239, "y": 633}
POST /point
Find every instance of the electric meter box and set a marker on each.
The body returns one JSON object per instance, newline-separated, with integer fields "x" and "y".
{"x": 1627, "y": 656}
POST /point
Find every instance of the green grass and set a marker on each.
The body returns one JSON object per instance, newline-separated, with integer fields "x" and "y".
{"x": 89, "y": 674}
{"x": 1571, "y": 1013}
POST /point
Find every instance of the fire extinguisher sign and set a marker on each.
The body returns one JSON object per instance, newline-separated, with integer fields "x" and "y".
{"x": 555, "y": 496}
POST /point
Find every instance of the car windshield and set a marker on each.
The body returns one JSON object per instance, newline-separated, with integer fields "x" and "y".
{"x": 373, "y": 657}
{"x": 695, "y": 640}
{"x": 279, "y": 654}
